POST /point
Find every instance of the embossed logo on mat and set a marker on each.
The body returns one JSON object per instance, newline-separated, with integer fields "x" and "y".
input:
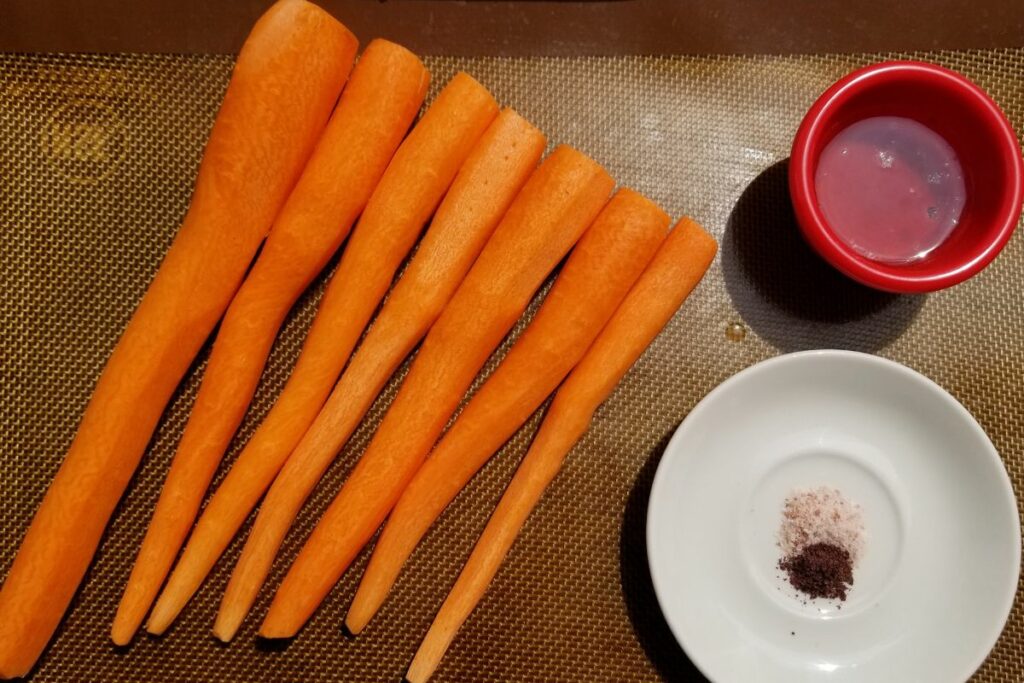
{"x": 85, "y": 140}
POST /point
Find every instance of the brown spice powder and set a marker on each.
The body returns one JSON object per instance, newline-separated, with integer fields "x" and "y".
{"x": 821, "y": 570}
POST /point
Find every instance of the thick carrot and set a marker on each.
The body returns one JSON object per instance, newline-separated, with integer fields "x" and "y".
{"x": 375, "y": 111}
{"x": 286, "y": 81}
{"x": 480, "y": 195}
{"x": 675, "y": 271}
{"x": 557, "y": 204}
{"x": 595, "y": 279}
{"x": 376, "y": 108}
{"x": 409, "y": 191}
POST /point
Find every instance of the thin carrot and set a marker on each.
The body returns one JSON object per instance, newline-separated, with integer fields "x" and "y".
{"x": 257, "y": 148}
{"x": 595, "y": 279}
{"x": 675, "y": 271}
{"x": 409, "y": 191}
{"x": 557, "y": 204}
{"x": 487, "y": 183}
{"x": 375, "y": 111}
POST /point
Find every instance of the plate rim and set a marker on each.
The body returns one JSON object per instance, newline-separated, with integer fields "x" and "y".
{"x": 908, "y": 373}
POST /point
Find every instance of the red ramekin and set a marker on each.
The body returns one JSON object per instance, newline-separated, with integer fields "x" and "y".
{"x": 968, "y": 119}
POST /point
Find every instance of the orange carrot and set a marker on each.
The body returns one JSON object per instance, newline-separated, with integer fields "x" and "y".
{"x": 286, "y": 81}
{"x": 597, "y": 276}
{"x": 375, "y": 111}
{"x": 675, "y": 271}
{"x": 480, "y": 194}
{"x": 557, "y": 204}
{"x": 409, "y": 191}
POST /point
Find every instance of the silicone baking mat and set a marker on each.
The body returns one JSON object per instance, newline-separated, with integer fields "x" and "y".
{"x": 97, "y": 159}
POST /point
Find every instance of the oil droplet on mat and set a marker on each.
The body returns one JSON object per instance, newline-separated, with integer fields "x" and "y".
{"x": 735, "y": 332}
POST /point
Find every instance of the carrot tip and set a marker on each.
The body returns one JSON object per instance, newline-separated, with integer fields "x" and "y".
{"x": 121, "y": 635}
{"x": 119, "y": 639}
{"x": 274, "y": 627}
{"x": 156, "y": 628}
{"x": 353, "y": 626}
{"x": 273, "y": 632}
{"x": 160, "y": 618}
{"x": 417, "y": 674}
{"x": 224, "y": 632}
{"x": 9, "y": 670}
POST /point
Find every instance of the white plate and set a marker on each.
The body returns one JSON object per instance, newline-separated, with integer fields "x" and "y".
{"x": 939, "y": 571}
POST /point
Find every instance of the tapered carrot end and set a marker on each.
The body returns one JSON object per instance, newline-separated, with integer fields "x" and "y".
{"x": 13, "y": 665}
{"x": 373, "y": 591}
{"x": 280, "y": 622}
{"x": 223, "y": 636}
{"x": 157, "y": 625}
{"x": 355, "y": 624}
{"x": 7, "y": 674}
{"x": 276, "y": 631}
{"x": 122, "y": 631}
{"x": 365, "y": 604}
{"x": 420, "y": 670}
{"x": 130, "y": 613}
{"x": 162, "y": 616}
{"x": 431, "y": 651}
{"x": 226, "y": 626}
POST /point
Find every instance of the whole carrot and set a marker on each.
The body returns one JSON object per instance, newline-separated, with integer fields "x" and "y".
{"x": 375, "y": 111}
{"x": 559, "y": 201}
{"x": 601, "y": 269}
{"x": 479, "y": 196}
{"x": 409, "y": 191}
{"x": 285, "y": 82}
{"x": 675, "y": 271}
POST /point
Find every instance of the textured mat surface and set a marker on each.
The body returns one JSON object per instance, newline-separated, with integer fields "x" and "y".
{"x": 97, "y": 158}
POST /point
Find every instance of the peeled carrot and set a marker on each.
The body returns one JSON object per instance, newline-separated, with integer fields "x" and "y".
{"x": 557, "y": 204}
{"x": 676, "y": 269}
{"x": 408, "y": 192}
{"x": 595, "y": 279}
{"x": 286, "y": 81}
{"x": 487, "y": 183}
{"x": 374, "y": 113}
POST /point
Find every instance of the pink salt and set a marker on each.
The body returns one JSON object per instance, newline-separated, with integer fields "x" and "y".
{"x": 821, "y": 515}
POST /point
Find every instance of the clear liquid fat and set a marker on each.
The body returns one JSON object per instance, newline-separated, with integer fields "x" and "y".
{"x": 891, "y": 188}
